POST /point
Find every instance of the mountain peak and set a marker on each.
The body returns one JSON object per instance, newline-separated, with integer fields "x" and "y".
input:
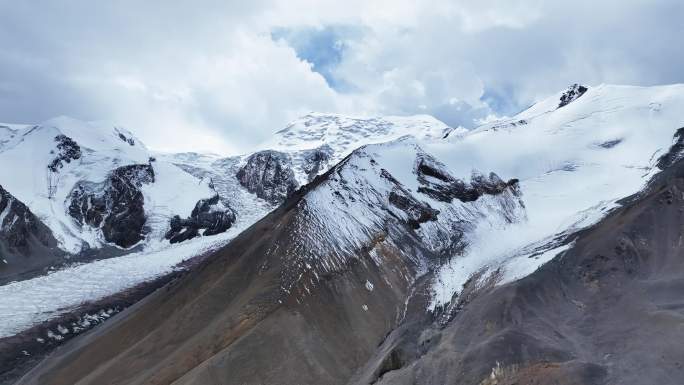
{"x": 97, "y": 135}
{"x": 345, "y": 133}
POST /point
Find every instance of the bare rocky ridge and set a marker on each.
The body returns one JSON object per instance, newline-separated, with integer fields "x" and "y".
{"x": 675, "y": 152}
{"x": 251, "y": 316}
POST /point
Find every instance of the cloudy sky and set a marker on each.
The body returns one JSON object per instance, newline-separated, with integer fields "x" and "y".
{"x": 224, "y": 75}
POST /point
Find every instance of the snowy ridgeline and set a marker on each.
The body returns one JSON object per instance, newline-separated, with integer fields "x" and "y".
{"x": 66, "y": 169}
{"x": 555, "y": 170}
{"x": 573, "y": 161}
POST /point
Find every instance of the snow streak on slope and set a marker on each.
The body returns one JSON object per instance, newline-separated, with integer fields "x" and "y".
{"x": 573, "y": 163}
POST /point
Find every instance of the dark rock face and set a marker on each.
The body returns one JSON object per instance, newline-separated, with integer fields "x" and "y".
{"x": 67, "y": 150}
{"x": 417, "y": 212}
{"x": 20, "y": 228}
{"x": 269, "y": 175}
{"x": 116, "y": 206}
{"x": 610, "y": 143}
{"x": 209, "y": 215}
{"x": 573, "y": 92}
{"x": 440, "y": 185}
{"x": 130, "y": 141}
{"x": 675, "y": 151}
{"x": 315, "y": 160}
{"x": 26, "y": 244}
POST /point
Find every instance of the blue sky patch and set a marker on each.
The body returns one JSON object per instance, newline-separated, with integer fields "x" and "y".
{"x": 323, "y": 47}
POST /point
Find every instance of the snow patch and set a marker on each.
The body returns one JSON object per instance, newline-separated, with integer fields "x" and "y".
{"x": 559, "y": 199}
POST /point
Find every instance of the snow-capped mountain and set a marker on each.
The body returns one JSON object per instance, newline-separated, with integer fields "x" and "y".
{"x": 359, "y": 273}
{"x": 305, "y": 148}
{"x": 102, "y": 193}
{"x": 95, "y": 185}
{"x": 574, "y": 161}
{"x": 317, "y": 141}
{"x": 345, "y": 133}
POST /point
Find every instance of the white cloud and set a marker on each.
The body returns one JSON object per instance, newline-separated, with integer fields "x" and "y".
{"x": 209, "y": 77}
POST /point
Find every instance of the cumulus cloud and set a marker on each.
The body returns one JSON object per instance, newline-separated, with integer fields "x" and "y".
{"x": 222, "y": 76}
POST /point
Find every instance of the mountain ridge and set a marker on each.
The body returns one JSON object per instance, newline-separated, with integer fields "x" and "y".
{"x": 394, "y": 237}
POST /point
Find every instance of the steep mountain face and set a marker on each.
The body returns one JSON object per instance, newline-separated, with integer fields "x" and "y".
{"x": 494, "y": 256}
{"x": 97, "y": 188}
{"x": 22, "y": 235}
{"x": 269, "y": 175}
{"x": 316, "y": 161}
{"x": 574, "y": 164}
{"x": 116, "y": 206}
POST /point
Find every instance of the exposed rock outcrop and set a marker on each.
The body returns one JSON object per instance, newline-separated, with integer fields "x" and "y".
{"x": 19, "y": 228}
{"x": 675, "y": 151}
{"x": 116, "y": 206}
{"x": 269, "y": 175}
{"x": 438, "y": 184}
{"x": 417, "y": 212}
{"x": 573, "y": 92}
{"x": 67, "y": 150}
{"x": 129, "y": 140}
{"x": 26, "y": 243}
{"x": 209, "y": 217}
{"x": 316, "y": 160}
